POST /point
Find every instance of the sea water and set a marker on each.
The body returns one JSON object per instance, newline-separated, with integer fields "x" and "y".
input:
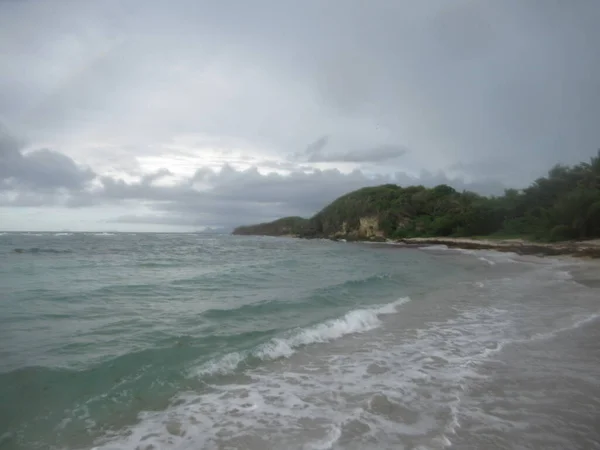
{"x": 194, "y": 341}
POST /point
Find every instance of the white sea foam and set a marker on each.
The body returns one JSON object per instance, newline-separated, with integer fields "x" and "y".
{"x": 490, "y": 257}
{"x": 275, "y": 348}
{"x": 104, "y": 234}
{"x": 356, "y": 321}
{"x": 489, "y": 261}
{"x": 327, "y": 442}
{"x": 573, "y": 326}
{"x": 437, "y": 247}
{"x": 563, "y": 275}
{"x": 63, "y": 234}
{"x": 226, "y": 364}
{"x": 346, "y": 398}
{"x": 392, "y": 308}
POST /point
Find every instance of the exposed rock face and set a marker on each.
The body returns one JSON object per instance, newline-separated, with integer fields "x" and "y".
{"x": 341, "y": 234}
{"x": 369, "y": 227}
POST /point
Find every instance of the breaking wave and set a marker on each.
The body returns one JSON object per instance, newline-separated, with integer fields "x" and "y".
{"x": 356, "y": 321}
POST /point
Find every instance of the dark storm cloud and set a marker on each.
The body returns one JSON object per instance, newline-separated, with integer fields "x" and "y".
{"x": 316, "y": 152}
{"x": 316, "y": 148}
{"x": 373, "y": 155}
{"x": 39, "y": 169}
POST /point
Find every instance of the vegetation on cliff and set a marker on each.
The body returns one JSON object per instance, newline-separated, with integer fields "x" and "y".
{"x": 561, "y": 206}
{"x": 280, "y": 227}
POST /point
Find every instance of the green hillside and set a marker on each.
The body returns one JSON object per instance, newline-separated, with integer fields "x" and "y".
{"x": 285, "y": 226}
{"x": 561, "y": 206}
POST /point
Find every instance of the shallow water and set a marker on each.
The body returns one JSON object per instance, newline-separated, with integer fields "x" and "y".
{"x": 184, "y": 341}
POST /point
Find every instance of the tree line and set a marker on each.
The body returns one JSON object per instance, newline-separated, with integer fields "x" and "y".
{"x": 563, "y": 205}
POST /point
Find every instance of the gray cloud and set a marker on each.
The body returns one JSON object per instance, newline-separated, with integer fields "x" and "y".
{"x": 491, "y": 92}
{"x": 226, "y": 197}
{"x": 238, "y": 197}
{"x": 154, "y": 176}
{"x": 316, "y": 148}
{"x": 39, "y": 169}
{"x": 315, "y": 152}
{"x": 373, "y": 155}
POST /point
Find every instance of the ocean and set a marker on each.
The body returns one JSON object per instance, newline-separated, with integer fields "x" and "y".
{"x": 196, "y": 341}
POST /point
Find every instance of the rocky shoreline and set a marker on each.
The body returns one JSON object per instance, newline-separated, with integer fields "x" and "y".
{"x": 587, "y": 249}
{"x": 583, "y": 249}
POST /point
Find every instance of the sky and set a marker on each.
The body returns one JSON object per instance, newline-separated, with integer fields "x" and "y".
{"x": 149, "y": 115}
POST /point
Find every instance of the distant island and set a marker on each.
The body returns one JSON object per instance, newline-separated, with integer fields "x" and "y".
{"x": 563, "y": 206}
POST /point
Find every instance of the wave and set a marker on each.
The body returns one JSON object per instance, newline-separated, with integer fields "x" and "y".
{"x": 356, "y": 321}
{"x": 103, "y": 234}
{"x": 318, "y": 297}
{"x": 489, "y": 261}
{"x": 336, "y": 399}
{"x": 563, "y": 275}
{"x": 153, "y": 265}
{"x": 587, "y": 319}
{"x": 490, "y": 257}
{"x": 437, "y": 247}
{"x": 254, "y": 309}
{"x": 36, "y": 250}
{"x": 80, "y": 393}
{"x": 63, "y": 234}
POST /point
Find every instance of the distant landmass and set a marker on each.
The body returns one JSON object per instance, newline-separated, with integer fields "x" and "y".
{"x": 564, "y": 205}
{"x": 213, "y": 230}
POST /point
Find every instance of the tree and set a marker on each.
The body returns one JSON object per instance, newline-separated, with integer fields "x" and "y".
{"x": 565, "y": 204}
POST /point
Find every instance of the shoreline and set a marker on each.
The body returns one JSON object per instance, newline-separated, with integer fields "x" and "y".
{"x": 586, "y": 272}
{"x": 589, "y": 249}
{"x": 582, "y": 249}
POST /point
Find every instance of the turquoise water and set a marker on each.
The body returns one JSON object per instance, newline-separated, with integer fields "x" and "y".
{"x": 211, "y": 341}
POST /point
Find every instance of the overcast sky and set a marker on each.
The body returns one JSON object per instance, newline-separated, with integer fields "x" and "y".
{"x": 156, "y": 115}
